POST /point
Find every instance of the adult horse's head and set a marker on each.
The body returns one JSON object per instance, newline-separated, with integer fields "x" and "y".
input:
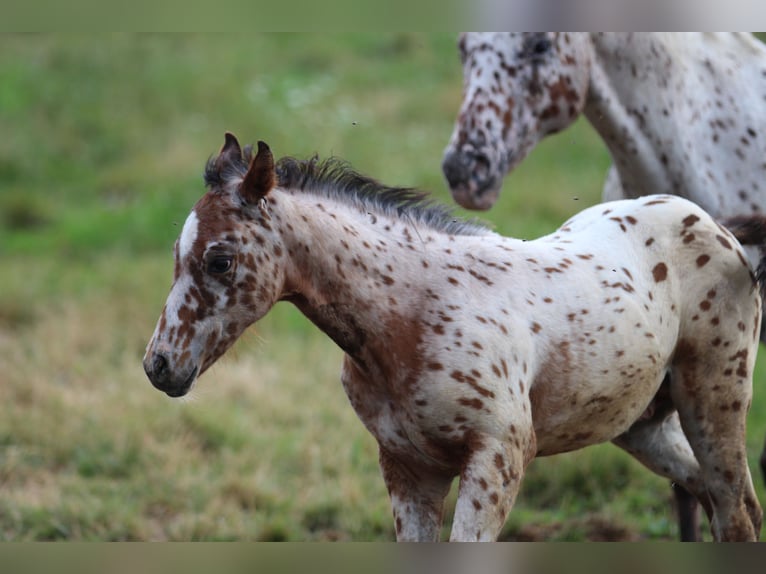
{"x": 517, "y": 88}
{"x": 219, "y": 287}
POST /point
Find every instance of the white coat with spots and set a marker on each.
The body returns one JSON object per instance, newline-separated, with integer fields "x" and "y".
{"x": 681, "y": 113}
{"x": 469, "y": 354}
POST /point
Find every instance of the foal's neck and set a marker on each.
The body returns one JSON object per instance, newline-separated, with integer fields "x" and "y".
{"x": 350, "y": 271}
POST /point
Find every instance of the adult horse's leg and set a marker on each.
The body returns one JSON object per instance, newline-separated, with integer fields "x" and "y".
{"x": 660, "y": 445}
{"x": 417, "y": 498}
{"x": 763, "y": 461}
{"x": 612, "y": 186}
{"x": 688, "y": 514}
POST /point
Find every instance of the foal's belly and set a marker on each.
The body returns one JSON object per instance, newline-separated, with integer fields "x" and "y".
{"x": 597, "y": 372}
{"x": 591, "y": 410}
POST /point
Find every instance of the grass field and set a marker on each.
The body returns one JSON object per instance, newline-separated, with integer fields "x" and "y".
{"x": 104, "y": 141}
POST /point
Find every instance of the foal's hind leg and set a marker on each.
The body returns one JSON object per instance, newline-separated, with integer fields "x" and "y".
{"x": 712, "y": 400}
{"x": 660, "y": 445}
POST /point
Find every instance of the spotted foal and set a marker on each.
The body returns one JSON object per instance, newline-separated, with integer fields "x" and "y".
{"x": 469, "y": 354}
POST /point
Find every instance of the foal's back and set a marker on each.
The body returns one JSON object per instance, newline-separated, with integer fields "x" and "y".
{"x": 605, "y": 303}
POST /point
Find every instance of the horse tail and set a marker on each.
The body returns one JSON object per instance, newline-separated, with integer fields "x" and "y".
{"x": 751, "y": 230}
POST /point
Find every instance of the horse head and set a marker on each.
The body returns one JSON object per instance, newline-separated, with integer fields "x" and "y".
{"x": 517, "y": 88}
{"x": 227, "y": 273}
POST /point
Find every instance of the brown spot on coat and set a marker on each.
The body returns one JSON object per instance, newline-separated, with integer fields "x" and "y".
{"x": 723, "y": 241}
{"x": 690, "y": 220}
{"x": 660, "y": 272}
{"x": 473, "y": 403}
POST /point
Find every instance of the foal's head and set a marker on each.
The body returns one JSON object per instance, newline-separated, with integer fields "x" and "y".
{"x": 228, "y": 270}
{"x": 517, "y": 88}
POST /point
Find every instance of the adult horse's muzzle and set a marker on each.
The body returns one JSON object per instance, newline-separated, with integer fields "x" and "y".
{"x": 170, "y": 381}
{"x": 473, "y": 182}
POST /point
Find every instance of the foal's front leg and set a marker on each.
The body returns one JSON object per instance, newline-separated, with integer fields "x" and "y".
{"x": 489, "y": 484}
{"x": 417, "y": 498}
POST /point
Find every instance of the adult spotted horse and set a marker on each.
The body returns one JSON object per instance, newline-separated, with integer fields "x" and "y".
{"x": 682, "y": 114}
{"x": 469, "y": 354}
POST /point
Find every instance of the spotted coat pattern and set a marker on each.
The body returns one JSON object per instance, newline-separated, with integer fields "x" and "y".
{"x": 469, "y": 354}
{"x": 683, "y": 114}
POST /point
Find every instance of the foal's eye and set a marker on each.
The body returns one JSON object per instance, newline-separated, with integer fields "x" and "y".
{"x": 220, "y": 264}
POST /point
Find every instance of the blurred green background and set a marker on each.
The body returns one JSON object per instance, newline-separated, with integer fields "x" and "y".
{"x": 104, "y": 140}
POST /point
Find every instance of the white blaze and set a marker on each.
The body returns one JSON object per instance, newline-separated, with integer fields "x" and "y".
{"x": 188, "y": 235}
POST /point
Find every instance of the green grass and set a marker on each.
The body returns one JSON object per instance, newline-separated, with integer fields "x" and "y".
{"x": 106, "y": 137}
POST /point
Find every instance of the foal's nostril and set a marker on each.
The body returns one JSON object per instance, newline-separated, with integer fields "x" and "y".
{"x": 159, "y": 365}
{"x": 157, "y": 369}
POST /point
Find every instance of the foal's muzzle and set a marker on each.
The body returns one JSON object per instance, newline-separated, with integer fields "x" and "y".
{"x": 173, "y": 384}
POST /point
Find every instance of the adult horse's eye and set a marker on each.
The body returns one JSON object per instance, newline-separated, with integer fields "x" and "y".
{"x": 538, "y": 46}
{"x": 462, "y": 49}
{"x": 541, "y": 46}
{"x": 220, "y": 264}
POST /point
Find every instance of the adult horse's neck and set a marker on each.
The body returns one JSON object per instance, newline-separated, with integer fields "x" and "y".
{"x": 618, "y": 110}
{"x": 667, "y": 105}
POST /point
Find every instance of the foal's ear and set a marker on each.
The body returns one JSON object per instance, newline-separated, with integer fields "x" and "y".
{"x": 230, "y": 152}
{"x": 260, "y": 176}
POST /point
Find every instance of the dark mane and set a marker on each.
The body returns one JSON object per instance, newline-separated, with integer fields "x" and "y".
{"x": 335, "y": 179}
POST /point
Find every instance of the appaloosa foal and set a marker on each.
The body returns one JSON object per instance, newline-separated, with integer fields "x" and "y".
{"x": 469, "y": 354}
